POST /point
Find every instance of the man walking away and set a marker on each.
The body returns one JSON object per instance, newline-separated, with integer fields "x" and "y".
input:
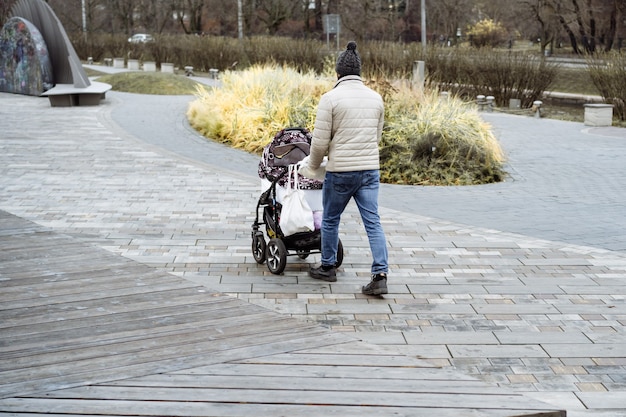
{"x": 348, "y": 128}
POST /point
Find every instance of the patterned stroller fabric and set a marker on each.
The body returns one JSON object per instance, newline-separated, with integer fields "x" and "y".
{"x": 289, "y": 146}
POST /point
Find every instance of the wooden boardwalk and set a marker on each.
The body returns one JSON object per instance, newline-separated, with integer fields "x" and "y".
{"x": 87, "y": 332}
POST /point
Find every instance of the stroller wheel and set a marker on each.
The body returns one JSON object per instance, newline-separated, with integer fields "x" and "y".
{"x": 339, "y": 254}
{"x": 258, "y": 247}
{"x": 276, "y": 254}
{"x": 303, "y": 254}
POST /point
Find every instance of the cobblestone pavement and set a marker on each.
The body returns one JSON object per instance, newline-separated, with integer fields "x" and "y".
{"x": 512, "y": 305}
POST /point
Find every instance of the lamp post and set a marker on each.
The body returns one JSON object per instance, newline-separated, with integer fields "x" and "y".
{"x": 84, "y": 20}
{"x": 423, "y": 15}
{"x": 240, "y": 19}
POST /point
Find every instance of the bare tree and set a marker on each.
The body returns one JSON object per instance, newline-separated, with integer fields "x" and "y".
{"x": 274, "y": 12}
{"x": 195, "y": 15}
{"x": 69, "y": 12}
{"x": 155, "y": 15}
{"x": 189, "y": 14}
{"x": 306, "y": 12}
{"x": 586, "y": 23}
{"x": 123, "y": 11}
{"x": 5, "y": 10}
{"x": 318, "y": 14}
{"x": 614, "y": 12}
{"x": 542, "y": 13}
{"x": 365, "y": 19}
{"x": 447, "y": 16}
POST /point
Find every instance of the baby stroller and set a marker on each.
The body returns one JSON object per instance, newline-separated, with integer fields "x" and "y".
{"x": 288, "y": 147}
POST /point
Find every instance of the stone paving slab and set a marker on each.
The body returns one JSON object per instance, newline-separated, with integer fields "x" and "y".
{"x": 92, "y": 180}
{"x": 541, "y": 338}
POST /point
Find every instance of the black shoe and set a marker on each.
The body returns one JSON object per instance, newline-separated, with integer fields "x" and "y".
{"x": 325, "y": 273}
{"x": 377, "y": 286}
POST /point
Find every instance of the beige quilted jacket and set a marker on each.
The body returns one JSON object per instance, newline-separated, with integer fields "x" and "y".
{"x": 348, "y": 127}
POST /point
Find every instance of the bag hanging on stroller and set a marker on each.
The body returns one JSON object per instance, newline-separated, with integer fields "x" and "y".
{"x": 296, "y": 216}
{"x": 288, "y": 147}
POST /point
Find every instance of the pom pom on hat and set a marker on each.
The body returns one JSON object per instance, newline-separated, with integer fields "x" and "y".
{"x": 349, "y": 61}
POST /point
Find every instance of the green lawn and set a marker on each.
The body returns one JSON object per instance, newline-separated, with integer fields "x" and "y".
{"x": 575, "y": 81}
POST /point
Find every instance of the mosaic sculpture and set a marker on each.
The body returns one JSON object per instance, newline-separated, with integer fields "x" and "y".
{"x": 37, "y": 58}
{"x": 25, "y": 66}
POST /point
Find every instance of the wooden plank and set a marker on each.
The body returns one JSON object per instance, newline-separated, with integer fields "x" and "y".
{"x": 332, "y": 371}
{"x": 117, "y": 333}
{"x": 95, "y": 272}
{"x": 22, "y": 320}
{"x": 78, "y": 287}
{"x": 70, "y": 329}
{"x": 368, "y": 381}
{"x": 87, "y": 372}
{"x": 300, "y": 396}
{"x": 104, "y": 294}
{"x": 338, "y": 360}
{"x": 204, "y": 409}
{"x": 112, "y": 303}
{"x": 152, "y": 346}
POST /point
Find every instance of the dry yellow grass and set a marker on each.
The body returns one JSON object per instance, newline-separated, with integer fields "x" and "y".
{"x": 428, "y": 139}
{"x": 431, "y": 139}
{"x": 252, "y": 105}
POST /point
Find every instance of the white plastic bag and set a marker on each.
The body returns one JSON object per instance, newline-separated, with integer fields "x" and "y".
{"x": 296, "y": 216}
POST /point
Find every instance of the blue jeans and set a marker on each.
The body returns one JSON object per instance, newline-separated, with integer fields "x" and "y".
{"x": 339, "y": 188}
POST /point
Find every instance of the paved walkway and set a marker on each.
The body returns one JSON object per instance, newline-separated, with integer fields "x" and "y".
{"x": 521, "y": 284}
{"x": 84, "y": 331}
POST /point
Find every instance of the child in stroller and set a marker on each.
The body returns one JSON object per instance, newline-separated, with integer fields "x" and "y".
{"x": 288, "y": 147}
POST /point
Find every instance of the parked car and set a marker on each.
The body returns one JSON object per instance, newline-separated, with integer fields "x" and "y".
{"x": 140, "y": 38}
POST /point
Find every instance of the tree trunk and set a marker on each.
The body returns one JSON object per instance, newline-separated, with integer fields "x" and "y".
{"x": 195, "y": 15}
{"x": 333, "y": 6}
{"x": 584, "y": 38}
{"x": 592, "y": 27}
{"x": 612, "y": 27}
{"x": 570, "y": 34}
{"x": 318, "y": 15}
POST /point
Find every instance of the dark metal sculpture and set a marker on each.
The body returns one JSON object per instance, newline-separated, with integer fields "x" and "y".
{"x": 72, "y": 87}
{"x": 66, "y": 65}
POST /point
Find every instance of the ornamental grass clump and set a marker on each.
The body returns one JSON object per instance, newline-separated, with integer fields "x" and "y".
{"x": 251, "y": 106}
{"x": 427, "y": 139}
{"x": 430, "y": 139}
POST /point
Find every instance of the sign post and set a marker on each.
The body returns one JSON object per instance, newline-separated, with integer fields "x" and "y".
{"x": 332, "y": 24}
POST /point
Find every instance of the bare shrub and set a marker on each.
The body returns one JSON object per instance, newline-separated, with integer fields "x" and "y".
{"x": 100, "y": 46}
{"x": 503, "y": 75}
{"x": 608, "y": 74}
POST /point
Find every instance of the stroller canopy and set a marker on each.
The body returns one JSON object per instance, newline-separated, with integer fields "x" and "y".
{"x": 289, "y": 146}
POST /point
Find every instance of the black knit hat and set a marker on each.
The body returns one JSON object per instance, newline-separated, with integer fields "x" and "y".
{"x": 349, "y": 61}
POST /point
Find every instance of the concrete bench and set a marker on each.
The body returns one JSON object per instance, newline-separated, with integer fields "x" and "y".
{"x": 598, "y": 115}
{"x": 66, "y": 95}
{"x": 118, "y": 62}
{"x": 149, "y": 66}
{"x": 133, "y": 64}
